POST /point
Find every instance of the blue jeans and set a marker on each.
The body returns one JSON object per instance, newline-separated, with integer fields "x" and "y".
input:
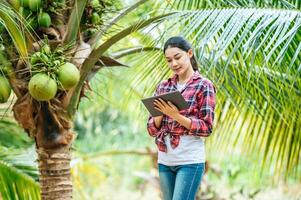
{"x": 180, "y": 182}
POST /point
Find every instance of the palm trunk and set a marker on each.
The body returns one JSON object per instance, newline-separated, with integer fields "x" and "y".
{"x": 55, "y": 177}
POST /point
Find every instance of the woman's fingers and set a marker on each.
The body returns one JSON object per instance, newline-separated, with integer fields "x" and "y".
{"x": 159, "y": 102}
{"x": 164, "y": 103}
{"x": 172, "y": 105}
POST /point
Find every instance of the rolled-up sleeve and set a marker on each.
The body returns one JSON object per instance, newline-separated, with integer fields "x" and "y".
{"x": 151, "y": 127}
{"x": 202, "y": 123}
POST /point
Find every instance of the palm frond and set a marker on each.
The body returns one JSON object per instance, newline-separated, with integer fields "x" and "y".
{"x": 74, "y": 21}
{"x": 253, "y": 57}
{"x": 11, "y": 22}
{"x": 16, "y": 174}
{"x": 97, "y": 53}
{"x": 97, "y": 36}
{"x": 11, "y": 135}
{"x": 201, "y": 4}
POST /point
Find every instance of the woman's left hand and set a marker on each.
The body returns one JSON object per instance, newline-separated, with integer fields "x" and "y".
{"x": 166, "y": 108}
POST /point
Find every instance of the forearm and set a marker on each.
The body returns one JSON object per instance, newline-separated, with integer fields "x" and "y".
{"x": 158, "y": 121}
{"x": 184, "y": 121}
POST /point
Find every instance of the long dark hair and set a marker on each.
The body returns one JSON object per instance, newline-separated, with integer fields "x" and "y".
{"x": 183, "y": 44}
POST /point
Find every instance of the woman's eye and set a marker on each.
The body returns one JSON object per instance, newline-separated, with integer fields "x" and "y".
{"x": 177, "y": 58}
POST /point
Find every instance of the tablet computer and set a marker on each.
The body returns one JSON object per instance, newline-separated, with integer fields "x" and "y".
{"x": 174, "y": 97}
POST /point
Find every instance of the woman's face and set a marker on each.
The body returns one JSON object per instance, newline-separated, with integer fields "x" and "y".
{"x": 178, "y": 60}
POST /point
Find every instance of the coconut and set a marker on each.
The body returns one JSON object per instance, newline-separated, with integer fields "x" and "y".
{"x": 44, "y": 20}
{"x": 5, "y": 89}
{"x": 41, "y": 87}
{"x": 34, "y": 5}
{"x": 95, "y": 18}
{"x": 68, "y": 75}
{"x": 95, "y": 3}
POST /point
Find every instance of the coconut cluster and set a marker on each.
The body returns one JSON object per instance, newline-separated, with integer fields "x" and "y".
{"x": 50, "y": 73}
{"x": 32, "y": 12}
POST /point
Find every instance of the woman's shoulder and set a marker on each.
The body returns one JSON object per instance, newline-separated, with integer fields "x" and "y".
{"x": 202, "y": 80}
{"x": 163, "y": 86}
{"x": 163, "y": 83}
{"x": 204, "y": 83}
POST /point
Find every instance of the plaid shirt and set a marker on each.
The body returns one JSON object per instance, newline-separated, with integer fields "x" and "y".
{"x": 199, "y": 93}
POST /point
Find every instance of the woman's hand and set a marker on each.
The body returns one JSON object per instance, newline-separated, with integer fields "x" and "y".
{"x": 166, "y": 108}
{"x": 172, "y": 111}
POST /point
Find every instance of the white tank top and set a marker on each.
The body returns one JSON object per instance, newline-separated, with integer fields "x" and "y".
{"x": 191, "y": 149}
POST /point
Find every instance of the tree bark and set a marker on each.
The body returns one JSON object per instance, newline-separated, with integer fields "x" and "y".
{"x": 55, "y": 174}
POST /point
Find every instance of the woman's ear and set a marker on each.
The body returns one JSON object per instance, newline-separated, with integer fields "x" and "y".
{"x": 190, "y": 53}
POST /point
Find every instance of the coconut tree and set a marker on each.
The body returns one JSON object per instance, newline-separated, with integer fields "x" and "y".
{"x": 250, "y": 53}
{"x": 50, "y": 49}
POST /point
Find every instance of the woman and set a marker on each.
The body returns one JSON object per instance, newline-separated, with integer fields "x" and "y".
{"x": 180, "y": 134}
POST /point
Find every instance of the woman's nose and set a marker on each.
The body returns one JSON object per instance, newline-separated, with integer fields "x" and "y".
{"x": 174, "y": 63}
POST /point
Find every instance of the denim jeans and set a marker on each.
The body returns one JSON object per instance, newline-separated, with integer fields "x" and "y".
{"x": 180, "y": 182}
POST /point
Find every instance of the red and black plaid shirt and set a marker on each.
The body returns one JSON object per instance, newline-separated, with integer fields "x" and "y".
{"x": 199, "y": 93}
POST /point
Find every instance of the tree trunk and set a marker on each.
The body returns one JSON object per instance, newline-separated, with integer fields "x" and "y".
{"x": 55, "y": 175}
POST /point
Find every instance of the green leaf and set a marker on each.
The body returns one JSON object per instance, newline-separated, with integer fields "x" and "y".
{"x": 10, "y": 20}
{"x": 98, "y": 52}
{"x": 15, "y": 182}
{"x": 253, "y": 57}
{"x": 74, "y": 21}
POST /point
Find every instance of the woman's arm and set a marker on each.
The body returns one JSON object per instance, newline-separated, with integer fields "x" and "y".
{"x": 199, "y": 125}
{"x": 172, "y": 111}
{"x": 184, "y": 121}
{"x": 202, "y": 123}
{"x": 154, "y": 125}
{"x": 158, "y": 121}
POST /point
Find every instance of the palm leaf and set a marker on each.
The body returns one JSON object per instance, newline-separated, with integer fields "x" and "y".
{"x": 97, "y": 53}
{"x": 198, "y": 4}
{"x": 16, "y": 174}
{"x": 11, "y": 135}
{"x": 74, "y": 21}
{"x": 10, "y": 20}
{"x": 253, "y": 57}
{"x": 98, "y": 35}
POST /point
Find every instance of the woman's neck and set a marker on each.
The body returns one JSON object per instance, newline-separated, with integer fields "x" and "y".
{"x": 183, "y": 78}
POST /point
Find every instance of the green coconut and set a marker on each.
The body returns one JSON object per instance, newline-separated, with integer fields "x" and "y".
{"x": 46, "y": 49}
{"x": 95, "y": 18}
{"x": 5, "y": 89}
{"x": 34, "y": 5}
{"x": 44, "y": 20}
{"x": 68, "y": 75}
{"x": 95, "y": 3}
{"x": 41, "y": 87}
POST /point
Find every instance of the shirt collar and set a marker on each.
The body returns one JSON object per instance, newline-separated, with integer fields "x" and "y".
{"x": 195, "y": 75}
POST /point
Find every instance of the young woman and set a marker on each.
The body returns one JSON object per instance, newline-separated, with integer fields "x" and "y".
{"x": 180, "y": 134}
